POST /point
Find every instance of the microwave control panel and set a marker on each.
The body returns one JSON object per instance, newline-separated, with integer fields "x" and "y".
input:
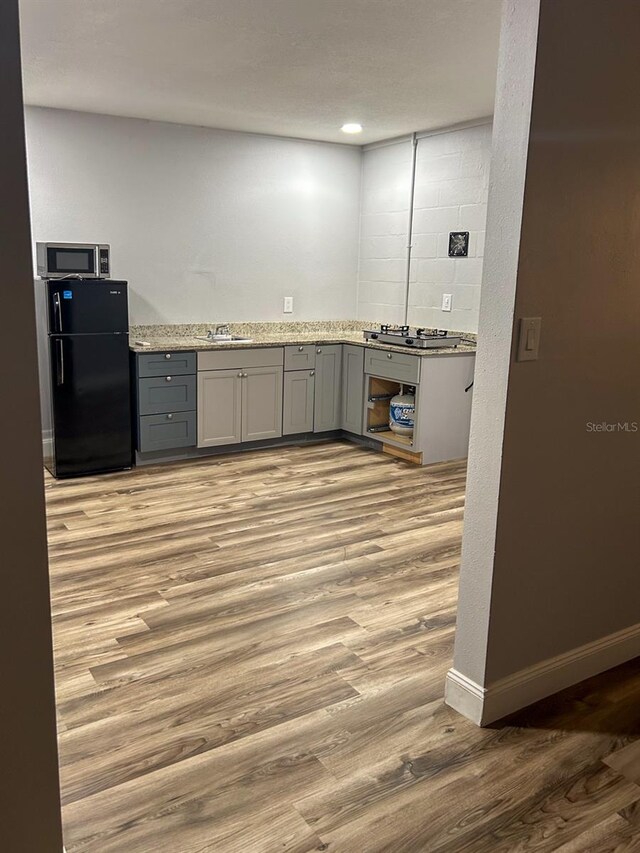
{"x": 104, "y": 261}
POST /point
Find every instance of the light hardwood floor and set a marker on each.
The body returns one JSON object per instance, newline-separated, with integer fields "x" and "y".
{"x": 250, "y": 657}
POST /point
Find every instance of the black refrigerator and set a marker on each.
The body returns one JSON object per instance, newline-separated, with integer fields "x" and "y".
{"x": 86, "y": 384}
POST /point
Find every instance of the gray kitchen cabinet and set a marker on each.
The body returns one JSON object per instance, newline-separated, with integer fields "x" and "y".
{"x": 299, "y": 393}
{"x": 165, "y": 400}
{"x": 300, "y": 357}
{"x": 261, "y": 403}
{"x": 352, "y": 388}
{"x": 219, "y": 407}
{"x": 444, "y": 406}
{"x": 166, "y": 432}
{"x": 163, "y": 363}
{"x": 392, "y": 365}
{"x": 328, "y": 382}
{"x": 239, "y": 404}
{"x": 241, "y": 357}
{"x": 162, "y": 394}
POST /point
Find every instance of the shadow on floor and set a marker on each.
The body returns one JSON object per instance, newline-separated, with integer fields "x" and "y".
{"x": 608, "y": 703}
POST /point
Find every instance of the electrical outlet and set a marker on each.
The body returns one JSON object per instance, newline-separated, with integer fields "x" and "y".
{"x": 287, "y": 307}
{"x": 447, "y": 299}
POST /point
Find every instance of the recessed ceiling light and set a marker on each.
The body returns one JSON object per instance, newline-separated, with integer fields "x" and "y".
{"x": 351, "y": 127}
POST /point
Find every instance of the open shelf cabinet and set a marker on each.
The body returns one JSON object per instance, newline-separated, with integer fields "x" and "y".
{"x": 378, "y": 394}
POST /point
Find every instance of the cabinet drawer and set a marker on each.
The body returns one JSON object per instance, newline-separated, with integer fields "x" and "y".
{"x": 300, "y": 357}
{"x": 392, "y": 365}
{"x": 164, "y": 432}
{"x": 232, "y": 359}
{"x": 163, "y": 363}
{"x": 166, "y": 394}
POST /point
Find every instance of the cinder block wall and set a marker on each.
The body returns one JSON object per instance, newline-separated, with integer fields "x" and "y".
{"x": 452, "y": 177}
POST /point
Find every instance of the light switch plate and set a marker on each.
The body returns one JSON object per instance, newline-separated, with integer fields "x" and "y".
{"x": 287, "y": 307}
{"x": 529, "y": 338}
{"x": 447, "y": 299}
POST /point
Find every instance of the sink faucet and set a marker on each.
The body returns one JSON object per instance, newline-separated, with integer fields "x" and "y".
{"x": 218, "y": 331}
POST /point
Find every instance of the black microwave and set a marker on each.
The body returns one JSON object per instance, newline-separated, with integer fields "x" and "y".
{"x": 86, "y": 260}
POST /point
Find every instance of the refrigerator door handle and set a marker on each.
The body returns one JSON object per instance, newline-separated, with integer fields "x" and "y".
{"x": 60, "y": 363}
{"x": 57, "y": 312}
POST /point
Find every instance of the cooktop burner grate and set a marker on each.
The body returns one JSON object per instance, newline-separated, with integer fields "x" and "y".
{"x": 405, "y": 336}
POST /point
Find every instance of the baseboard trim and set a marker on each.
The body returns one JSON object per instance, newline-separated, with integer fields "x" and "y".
{"x": 47, "y": 446}
{"x": 465, "y": 696}
{"x": 484, "y": 705}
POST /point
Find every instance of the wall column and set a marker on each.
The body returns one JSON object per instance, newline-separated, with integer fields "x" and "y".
{"x": 549, "y": 590}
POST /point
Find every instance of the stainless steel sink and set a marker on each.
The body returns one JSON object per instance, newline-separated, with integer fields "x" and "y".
{"x": 223, "y": 339}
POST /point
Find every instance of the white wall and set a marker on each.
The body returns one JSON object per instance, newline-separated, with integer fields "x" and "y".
{"x": 491, "y": 379}
{"x": 204, "y": 224}
{"x": 452, "y": 181}
{"x": 549, "y": 589}
{"x": 452, "y": 175}
{"x": 384, "y": 224}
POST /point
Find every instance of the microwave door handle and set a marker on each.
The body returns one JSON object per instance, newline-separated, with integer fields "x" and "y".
{"x": 60, "y": 363}
{"x": 57, "y": 312}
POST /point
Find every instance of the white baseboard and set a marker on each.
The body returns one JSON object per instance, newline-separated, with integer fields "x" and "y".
{"x": 465, "y": 696}
{"x": 47, "y": 444}
{"x": 484, "y": 705}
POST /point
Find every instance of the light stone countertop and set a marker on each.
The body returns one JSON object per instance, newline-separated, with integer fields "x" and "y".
{"x": 161, "y": 338}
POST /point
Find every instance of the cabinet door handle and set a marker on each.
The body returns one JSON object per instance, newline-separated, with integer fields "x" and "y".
{"x": 240, "y": 375}
{"x": 389, "y": 355}
{"x": 244, "y": 375}
{"x": 300, "y": 349}
{"x": 169, "y": 417}
{"x": 313, "y": 373}
{"x": 167, "y": 355}
{"x": 318, "y": 351}
{"x": 168, "y": 378}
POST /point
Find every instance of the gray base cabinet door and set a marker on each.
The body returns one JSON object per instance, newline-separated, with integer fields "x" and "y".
{"x": 297, "y": 410}
{"x": 261, "y": 403}
{"x": 219, "y": 407}
{"x": 352, "y": 389}
{"x": 328, "y": 396}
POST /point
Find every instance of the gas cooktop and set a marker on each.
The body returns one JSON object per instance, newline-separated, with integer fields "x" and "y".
{"x": 404, "y": 336}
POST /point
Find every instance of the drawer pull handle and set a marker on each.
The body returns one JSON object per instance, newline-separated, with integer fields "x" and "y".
{"x": 169, "y": 417}
{"x": 389, "y": 355}
{"x": 168, "y": 379}
{"x": 167, "y": 355}
{"x": 313, "y": 373}
{"x": 300, "y": 349}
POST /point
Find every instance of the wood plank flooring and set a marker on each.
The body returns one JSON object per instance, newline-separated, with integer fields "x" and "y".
{"x": 250, "y": 657}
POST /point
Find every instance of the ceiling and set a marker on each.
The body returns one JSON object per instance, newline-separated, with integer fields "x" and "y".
{"x": 287, "y": 67}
